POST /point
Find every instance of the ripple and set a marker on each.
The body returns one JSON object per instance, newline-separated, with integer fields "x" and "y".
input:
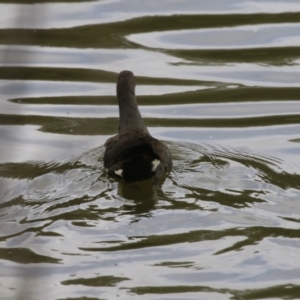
{"x": 62, "y": 15}
{"x": 218, "y": 81}
{"x": 140, "y": 62}
{"x": 32, "y": 88}
{"x": 217, "y": 199}
{"x": 238, "y": 37}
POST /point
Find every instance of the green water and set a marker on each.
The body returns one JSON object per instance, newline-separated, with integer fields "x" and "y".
{"x": 219, "y": 82}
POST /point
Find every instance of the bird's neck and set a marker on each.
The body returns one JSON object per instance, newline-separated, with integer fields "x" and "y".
{"x": 130, "y": 116}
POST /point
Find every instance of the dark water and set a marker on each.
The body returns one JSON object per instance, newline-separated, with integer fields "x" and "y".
{"x": 219, "y": 81}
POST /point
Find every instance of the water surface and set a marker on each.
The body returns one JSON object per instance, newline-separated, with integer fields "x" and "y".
{"x": 218, "y": 81}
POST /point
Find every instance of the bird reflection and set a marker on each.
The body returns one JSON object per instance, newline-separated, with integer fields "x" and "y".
{"x": 144, "y": 196}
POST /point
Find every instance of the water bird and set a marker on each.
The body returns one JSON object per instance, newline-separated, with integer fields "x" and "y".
{"x": 133, "y": 154}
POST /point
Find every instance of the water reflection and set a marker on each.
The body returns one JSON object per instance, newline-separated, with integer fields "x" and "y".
{"x": 215, "y": 199}
{"x": 199, "y": 173}
{"x": 246, "y": 74}
{"x": 60, "y": 15}
{"x": 219, "y": 82}
{"x": 241, "y": 37}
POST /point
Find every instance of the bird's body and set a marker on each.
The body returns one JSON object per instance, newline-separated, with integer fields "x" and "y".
{"x": 133, "y": 154}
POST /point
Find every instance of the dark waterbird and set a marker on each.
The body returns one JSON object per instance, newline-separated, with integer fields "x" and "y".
{"x": 133, "y": 154}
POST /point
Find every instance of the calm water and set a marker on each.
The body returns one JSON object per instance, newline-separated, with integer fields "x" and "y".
{"x": 219, "y": 82}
